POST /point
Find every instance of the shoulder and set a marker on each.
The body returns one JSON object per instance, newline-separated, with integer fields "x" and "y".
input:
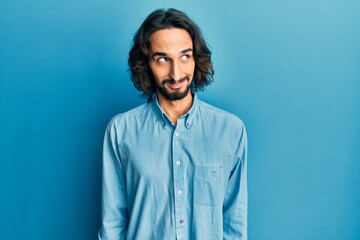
{"x": 223, "y": 123}
{"x": 122, "y": 118}
{"x": 209, "y": 111}
{"x": 220, "y": 120}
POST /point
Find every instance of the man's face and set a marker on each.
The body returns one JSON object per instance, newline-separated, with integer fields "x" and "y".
{"x": 171, "y": 62}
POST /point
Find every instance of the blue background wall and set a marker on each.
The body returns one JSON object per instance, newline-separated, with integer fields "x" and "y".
{"x": 289, "y": 69}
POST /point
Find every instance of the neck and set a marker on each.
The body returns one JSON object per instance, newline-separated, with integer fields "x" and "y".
{"x": 175, "y": 109}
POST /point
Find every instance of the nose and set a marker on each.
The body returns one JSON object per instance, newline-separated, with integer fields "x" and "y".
{"x": 175, "y": 72}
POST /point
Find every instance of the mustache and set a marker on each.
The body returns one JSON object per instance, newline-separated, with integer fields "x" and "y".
{"x": 172, "y": 81}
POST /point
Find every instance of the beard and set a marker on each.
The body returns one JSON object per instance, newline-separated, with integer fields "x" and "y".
{"x": 176, "y": 94}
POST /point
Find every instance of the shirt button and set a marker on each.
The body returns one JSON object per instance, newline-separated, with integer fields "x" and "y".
{"x": 178, "y": 163}
{"x": 179, "y": 192}
{"x": 177, "y": 134}
{"x": 181, "y": 221}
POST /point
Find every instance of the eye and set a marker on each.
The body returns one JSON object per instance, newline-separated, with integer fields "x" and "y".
{"x": 185, "y": 57}
{"x": 162, "y": 60}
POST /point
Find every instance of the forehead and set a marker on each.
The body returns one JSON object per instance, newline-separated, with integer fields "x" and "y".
{"x": 172, "y": 40}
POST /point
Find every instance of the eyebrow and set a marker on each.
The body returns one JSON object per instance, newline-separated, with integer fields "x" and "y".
{"x": 162, "y": 54}
{"x": 187, "y": 50}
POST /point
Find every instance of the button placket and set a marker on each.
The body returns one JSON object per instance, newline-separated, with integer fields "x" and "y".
{"x": 178, "y": 174}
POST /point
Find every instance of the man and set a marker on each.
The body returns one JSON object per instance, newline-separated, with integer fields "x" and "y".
{"x": 174, "y": 167}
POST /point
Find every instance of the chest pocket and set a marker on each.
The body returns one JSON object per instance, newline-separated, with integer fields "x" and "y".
{"x": 208, "y": 185}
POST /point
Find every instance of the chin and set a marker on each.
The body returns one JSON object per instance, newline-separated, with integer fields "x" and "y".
{"x": 175, "y": 95}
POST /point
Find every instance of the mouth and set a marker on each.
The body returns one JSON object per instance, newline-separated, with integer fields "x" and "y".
{"x": 176, "y": 84}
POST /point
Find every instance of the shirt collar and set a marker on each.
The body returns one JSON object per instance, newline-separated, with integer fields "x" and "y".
{"x": 189, "y": 116}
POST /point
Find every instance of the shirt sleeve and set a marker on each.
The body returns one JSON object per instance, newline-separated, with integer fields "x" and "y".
{"x": 236, "y": 200}
{"x": 114, "y": 204}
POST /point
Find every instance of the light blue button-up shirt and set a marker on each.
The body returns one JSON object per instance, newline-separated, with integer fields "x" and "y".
{"x": 162, "y": 181}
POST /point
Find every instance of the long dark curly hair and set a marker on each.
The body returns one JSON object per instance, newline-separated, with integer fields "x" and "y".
{"x": 138, "y": 61}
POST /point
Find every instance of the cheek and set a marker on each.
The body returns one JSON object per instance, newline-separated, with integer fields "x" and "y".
{"x": 190, "y": 68}
{"x": 158, "y": 72}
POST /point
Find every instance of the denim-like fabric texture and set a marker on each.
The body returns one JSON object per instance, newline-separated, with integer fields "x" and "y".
{"x": 162, "y": 181}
